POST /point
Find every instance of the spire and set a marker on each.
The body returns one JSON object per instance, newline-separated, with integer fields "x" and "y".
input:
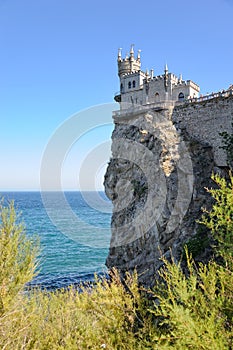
{"x": 119, "y": 54}
{"x": 131, "y": 57}
{"x": 139, "y": 55}
{"x": 166, "y": 77}
{"x": 180, "y": 78}
{"x": 132, "y": 51}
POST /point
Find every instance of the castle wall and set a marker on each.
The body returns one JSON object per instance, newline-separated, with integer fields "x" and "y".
{"x": 204, "y": 121}
{"x": 188, "y": 89}
{"x": 143, "y": 91}
{"x": 156, "y": 86}
{"x": 132, "y": 97}
{"x": 132, "y": 78}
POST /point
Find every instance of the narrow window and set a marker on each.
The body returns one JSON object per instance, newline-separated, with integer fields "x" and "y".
{"x": 181, "y": 96}
{"x": 121, "y": 87}
{"x": 157, "y": 97}
{"x": 129, "y": 84}
{"x": 134, "y": 83}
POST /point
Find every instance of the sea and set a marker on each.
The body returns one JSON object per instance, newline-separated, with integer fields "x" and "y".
{"x": 74, "y": 234}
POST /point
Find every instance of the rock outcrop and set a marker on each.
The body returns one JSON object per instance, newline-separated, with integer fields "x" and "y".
{"x": 156, "y": 180}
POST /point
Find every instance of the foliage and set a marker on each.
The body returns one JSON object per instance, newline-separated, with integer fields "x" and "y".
{"x": 197, "y": 244}
{"x": 195, "y": 308}
{"x": 227, "y": 140}
{"x": 220, "y": 218}
{"x": 192, "y": 310}
{"x": 104, "y": 316}
{"x": 17, "y": 257}
{"x": 195, "y": 311}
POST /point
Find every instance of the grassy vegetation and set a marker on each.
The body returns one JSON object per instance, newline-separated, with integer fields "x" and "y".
{"x": 184, "y": 310}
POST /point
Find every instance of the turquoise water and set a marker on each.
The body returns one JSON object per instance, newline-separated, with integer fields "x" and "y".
{"x": 64, "y": 258}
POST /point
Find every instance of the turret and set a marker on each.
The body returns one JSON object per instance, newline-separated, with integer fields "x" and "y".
{"x": 129, "y": 64}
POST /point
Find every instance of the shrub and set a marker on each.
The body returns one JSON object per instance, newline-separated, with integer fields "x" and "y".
{"x": 220, "y": 218}
{"x": 191, "y": 310}
{"x": 17, "y": 257}
{"x": 194, "y": 311}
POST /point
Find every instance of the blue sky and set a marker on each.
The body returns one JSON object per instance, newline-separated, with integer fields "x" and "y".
{"x": 59, "y": 57}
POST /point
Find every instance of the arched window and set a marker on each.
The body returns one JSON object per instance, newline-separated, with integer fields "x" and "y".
{"x": 129, "y": 84}
{"x": 181, "y": 96}
{"x": 134, "y": 83}
{"x": 122, "y": 87}
{"x": 157, "y": 97}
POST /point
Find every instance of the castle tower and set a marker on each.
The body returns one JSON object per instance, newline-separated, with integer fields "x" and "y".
{"x": 129, "y": 64}
{"x": 131, "y": 77}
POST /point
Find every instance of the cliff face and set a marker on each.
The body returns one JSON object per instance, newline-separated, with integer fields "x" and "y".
{"x": 156, "y": 180}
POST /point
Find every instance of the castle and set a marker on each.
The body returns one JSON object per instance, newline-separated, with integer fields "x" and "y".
{"x": 204, "y": 117}
{"x": 140, "y": 88}
{"x": 165, "y": 145}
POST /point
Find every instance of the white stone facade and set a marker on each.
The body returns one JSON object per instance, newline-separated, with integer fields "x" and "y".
{"x": 142, "y": 88}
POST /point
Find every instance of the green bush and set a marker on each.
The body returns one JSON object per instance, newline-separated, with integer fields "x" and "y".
{"x": 195, "y": 310}
{"x": 191, "y": 310}
{"x": 17, "y": 257}
{"x": 220, "y": 218}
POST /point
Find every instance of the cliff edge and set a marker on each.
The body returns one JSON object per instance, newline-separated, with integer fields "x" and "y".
{"x": 162, "y": 160}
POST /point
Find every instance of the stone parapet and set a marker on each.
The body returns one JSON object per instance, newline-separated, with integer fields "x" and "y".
{"x": 132, "y": 111}
{"x": 205, "y": 118}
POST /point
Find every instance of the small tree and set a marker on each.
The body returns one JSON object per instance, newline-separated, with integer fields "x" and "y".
{"x": 17, "y": 257}
{"x": 220, "y": 218}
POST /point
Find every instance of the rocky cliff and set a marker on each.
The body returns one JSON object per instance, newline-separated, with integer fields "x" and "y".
{"x": 156, "y": 180}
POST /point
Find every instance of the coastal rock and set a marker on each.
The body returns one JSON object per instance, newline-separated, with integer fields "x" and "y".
{"x": 156, "y": 181}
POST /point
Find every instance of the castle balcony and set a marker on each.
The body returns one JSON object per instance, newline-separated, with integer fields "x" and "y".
{"x": 117, "y": 96}
{"x": 133, "y": 110}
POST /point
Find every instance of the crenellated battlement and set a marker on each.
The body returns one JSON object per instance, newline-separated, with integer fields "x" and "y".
{"x": 142, "y": 88}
